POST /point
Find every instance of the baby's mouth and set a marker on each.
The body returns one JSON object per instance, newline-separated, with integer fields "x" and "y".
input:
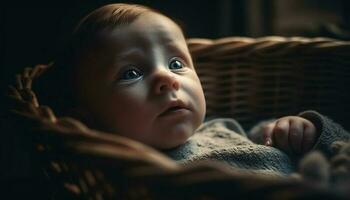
{"x": 171, "y": 110}
{"x": 175, "y": 107}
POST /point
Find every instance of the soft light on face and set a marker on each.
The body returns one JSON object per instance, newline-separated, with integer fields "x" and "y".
{"x": 140, "y": 82}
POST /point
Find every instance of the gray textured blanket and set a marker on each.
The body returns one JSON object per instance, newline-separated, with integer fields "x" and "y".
{"x": 225, "y": 140}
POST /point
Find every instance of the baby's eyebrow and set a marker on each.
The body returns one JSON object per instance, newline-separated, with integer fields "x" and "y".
{"x": 175, "y": 46}
{"x": 178, "y": 48}
{"x": 131, "y": 53}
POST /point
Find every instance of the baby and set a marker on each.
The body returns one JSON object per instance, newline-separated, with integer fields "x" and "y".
{"x": 132, "y": 74}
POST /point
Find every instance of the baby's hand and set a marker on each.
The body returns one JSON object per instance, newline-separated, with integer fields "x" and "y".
{"x": 291, "y": 134}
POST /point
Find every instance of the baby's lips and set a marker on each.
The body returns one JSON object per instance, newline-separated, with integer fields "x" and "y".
{"x": 173, "y": 105}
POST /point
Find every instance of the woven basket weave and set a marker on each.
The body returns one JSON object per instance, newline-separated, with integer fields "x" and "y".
{"x": 244, "y": 78}
{"x": 254, "y": 79}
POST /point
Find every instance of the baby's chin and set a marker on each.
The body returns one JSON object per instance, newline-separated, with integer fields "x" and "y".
{"x": 173, "y": 137}
{"x": 169, "y": 145}
{"x": 169, "y": 142}
{"x": 159, "y": 138}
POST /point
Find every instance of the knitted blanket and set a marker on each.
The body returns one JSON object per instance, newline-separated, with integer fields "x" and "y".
{"x": 225, "y": 140}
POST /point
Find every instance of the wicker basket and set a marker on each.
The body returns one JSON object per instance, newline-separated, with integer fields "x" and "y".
{"x": 254, "y": 79}
{"x": 244, "y": 78}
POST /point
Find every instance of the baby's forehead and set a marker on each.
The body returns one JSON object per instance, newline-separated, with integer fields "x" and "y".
{"x": 152, "y": 17}
{"x": 148, "y": 32}
{"x": 155, "y": 23}
{"x": 147, "y": 27}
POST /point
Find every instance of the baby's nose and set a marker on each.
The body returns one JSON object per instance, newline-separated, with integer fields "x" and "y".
{"x": 165, "y": 81}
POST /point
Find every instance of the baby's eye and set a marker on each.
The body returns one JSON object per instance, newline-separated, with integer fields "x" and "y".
{"x": 131, "y": 74}
{"x": 176, "y": 64}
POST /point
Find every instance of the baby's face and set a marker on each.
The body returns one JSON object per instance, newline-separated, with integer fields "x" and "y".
{"x": 139, "y": 81}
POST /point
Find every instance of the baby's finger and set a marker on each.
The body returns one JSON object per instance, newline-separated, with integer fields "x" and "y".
{"x": 280, "y": 135}
{"x": 267, "y": 133}
{"x": 309, "y": 137}
{"x": 296, "y": 129}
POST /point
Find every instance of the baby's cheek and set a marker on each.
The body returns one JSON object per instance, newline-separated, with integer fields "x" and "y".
{"x": 198, "y": 98}
{"x": 123, "y": 112}
{"x": 127, "y": 122}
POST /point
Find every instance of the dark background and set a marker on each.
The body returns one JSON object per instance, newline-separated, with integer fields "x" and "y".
{"x": 32, "y": 32}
